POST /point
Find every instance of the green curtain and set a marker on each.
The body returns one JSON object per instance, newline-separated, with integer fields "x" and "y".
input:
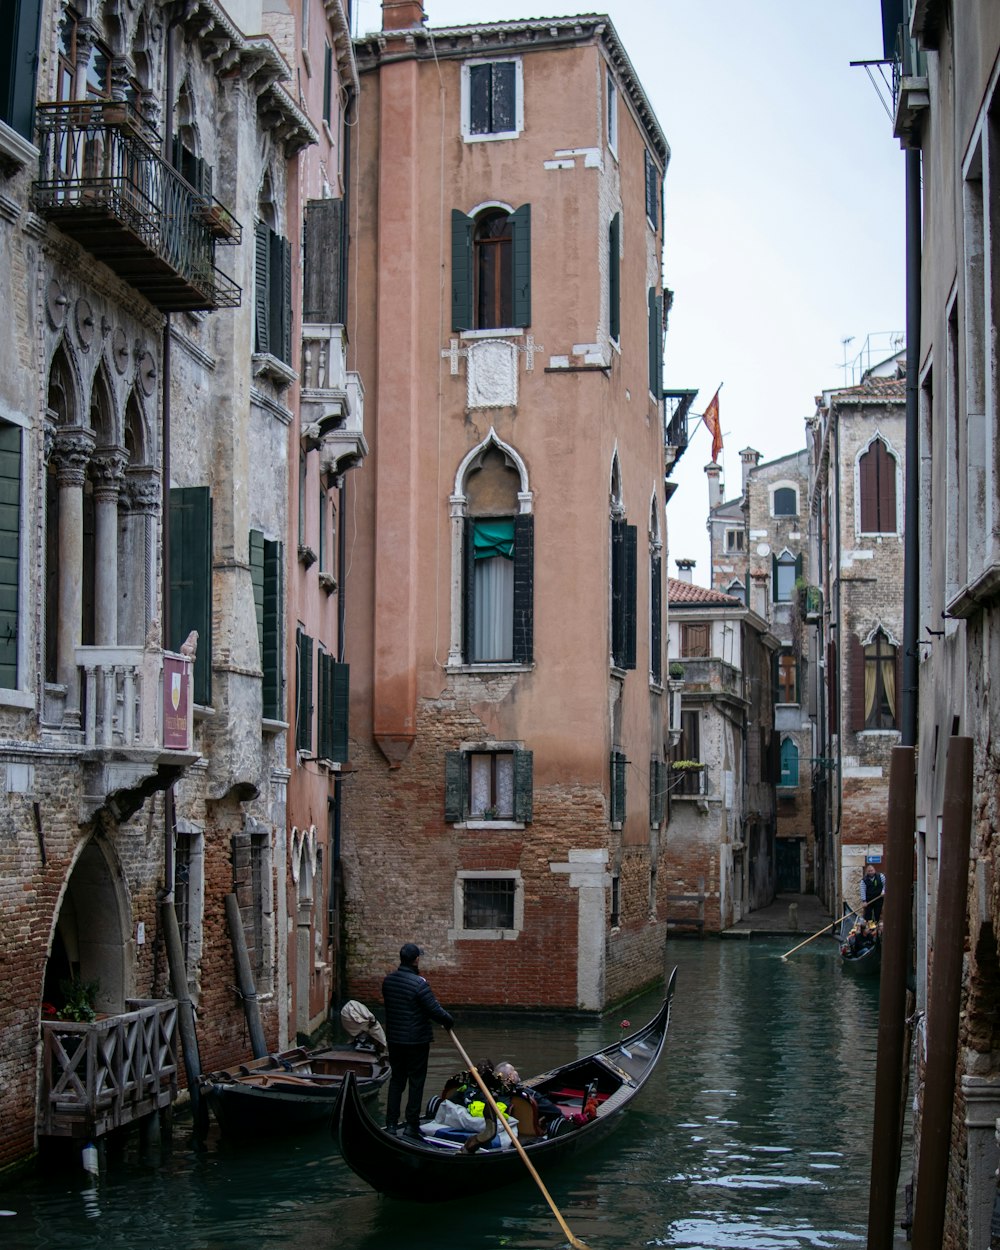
{"x": 493, "y": 538}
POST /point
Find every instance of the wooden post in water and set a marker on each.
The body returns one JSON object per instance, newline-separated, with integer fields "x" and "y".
{"x": 889, "y": 1073}
{"x": 185, "y": 1008}
{"x": 244, "y": 977}
{"x": 944, "y": 998}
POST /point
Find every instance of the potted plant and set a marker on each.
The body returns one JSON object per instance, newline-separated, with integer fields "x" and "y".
{"x": 79, "y": 996}
{"x": 676, "y": 670}
{"x": 491, "y": 813}
{"x": 687, "y": 766}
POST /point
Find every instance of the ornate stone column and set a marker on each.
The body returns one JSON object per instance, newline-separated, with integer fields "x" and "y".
{"x": 141, "y": 501}
{"x": 107, "y": 468}
{"x": 70, "y": 455}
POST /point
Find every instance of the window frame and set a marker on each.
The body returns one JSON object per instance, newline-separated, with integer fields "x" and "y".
{"x": 778, "y": 489}
{"x": 522, "y": 593}
{"x": 786, "y": 677}
{"x": 460, "y": 933}
{"x": 734, "y": 540}
{"x": 468, "y": 136}
{"x": 652, "y": 189}
{"x": 788, "y": 745}
{"x": 190, "y": 579}
{"x": 883, "y": 473}
{"x": 688, "y": 639}
{"x": 780, "y": 563}
{"x": 611, "y": 115}
{"x": 458, "y": 786}
{"x": 16, "y": 555}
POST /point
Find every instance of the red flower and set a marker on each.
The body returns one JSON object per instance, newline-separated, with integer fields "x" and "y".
{"x": 49, "y": 1010}
{"x": 625, "y": 1024}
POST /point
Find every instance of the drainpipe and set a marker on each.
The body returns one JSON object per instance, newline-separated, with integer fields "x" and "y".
{"x": 168, "y": 794}
{"x": 841, "y": 660}
{"x": 911, "y": 537}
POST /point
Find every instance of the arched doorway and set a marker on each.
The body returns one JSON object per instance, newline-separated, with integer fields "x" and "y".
{"x": 92, "y": 933}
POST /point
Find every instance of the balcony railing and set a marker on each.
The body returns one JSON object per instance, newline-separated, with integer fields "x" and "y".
{"x": 676, "y": 406}
{"x": 97, "y": 1077}
{"x": 104, "y": 184}
{"x": 332, "y": 398}
{"x": 135, "y": 699}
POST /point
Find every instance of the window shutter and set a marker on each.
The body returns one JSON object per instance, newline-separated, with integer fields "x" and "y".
{"x": 614, "y": 276}
{"x": 257, "y": 581}
{"x": 323, "y": 720}
{"x": 832, "y": 689}
{"x": 480, "y": 94}
{"x": 655, "y": 343}
{"x": 651, "y": 189}
{"x": 886, "y": 490}
{"x": 280, "y": 304}
{"x": 868, "y": 488}
{"x": 617, "y": 591}
{"x": 191, "y": 579}
{"x": 655, "y": 623}
{"x": 469, "y": 592}
{"x": 898, "y": 710}
{"x": 19, "y": 40}
{"x": 655, "y": 791}
{"x": 503, "y": 103}
{"x": 524, "y": 589}
{"x": 327, "y": 83}
{"x": 631, "y": 557}
{"x": 857, "y": 686}
{"x": 798, "y": 567}
{"x": 262, "y": 287}
{"x": 340, "y": 704}
{"x": 520, "y": 226}
{"x": 523, "y": 783}
{"x": 454, "y": 786}
{"x": 462, "y": 228}
{"x": 273, "y": 631}
{"x": 304, "y": 703}
{"x": 618, "y": 763}
{"x": 774, "y": 578}
{"x": 10, "y": 550}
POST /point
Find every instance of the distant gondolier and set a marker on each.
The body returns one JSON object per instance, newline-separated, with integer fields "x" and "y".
{"x": 872, "y": 893}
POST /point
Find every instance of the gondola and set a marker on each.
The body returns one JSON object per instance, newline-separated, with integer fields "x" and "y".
{"x": 291, "y": 1091}
{"x": 866, "y": 963}
{"x": 434, "y": 1170}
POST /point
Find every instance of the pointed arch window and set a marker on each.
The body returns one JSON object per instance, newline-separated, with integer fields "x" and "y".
{"x": 880, "y": 692}
{"x": 877, "y": 489}
{"x": 789, "y": 763}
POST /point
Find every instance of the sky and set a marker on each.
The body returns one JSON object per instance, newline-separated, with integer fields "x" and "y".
{"x": 783, "y": 219}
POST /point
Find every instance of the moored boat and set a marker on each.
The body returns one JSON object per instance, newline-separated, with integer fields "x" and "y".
{"x": 290, "y": 1091}
{"x": 592, "y": 1094}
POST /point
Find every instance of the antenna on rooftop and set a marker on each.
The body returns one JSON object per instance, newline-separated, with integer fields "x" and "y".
{"x": 844, "y": 342}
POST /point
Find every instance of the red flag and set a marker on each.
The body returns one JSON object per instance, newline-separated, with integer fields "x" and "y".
{"x": 711, "y": 418}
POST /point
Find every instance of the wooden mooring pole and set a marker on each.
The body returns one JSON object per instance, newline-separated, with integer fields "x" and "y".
{"x": 889, "y": 1073}
{"x": 185, "y": 1007}
{"x": 944, "y": 998}
{"x": 244, "y": 977}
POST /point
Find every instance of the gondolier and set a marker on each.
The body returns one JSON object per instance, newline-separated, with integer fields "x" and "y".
{"x": 872, "y": 893}
{"x": 410, "y": 1008}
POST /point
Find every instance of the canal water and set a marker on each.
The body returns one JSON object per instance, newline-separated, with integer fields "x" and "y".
{"x": 753, "y": 1134}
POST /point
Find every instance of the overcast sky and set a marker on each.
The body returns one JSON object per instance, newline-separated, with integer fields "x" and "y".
{"x": 784, "y": 210}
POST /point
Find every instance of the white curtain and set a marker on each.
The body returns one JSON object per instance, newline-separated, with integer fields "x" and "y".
{"x": 494, "y": 625}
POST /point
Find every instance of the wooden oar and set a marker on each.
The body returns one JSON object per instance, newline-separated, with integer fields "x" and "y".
{"x": 573, "y": 1241}
{"x": 816, "y": 935}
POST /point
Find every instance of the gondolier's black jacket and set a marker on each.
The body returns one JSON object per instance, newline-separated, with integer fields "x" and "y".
{"x": 410, "y": 1006}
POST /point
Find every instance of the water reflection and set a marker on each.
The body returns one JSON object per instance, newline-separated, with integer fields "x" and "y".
{"x": 751, "y": 1136}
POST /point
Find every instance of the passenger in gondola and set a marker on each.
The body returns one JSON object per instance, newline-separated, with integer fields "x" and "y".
{"x": 549, "y": 1113}
{"x": 872, "y": 893}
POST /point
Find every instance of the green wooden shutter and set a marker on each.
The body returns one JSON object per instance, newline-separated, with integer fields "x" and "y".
{"x": 19, "y": 42}
{"x": 10, "y": 550}
{"x": 340, "y": 706}
{"x": 656, "y": 618}
{"x": 774, "y": 578}
{"x": 523, "y": 786}
{"x": 524, "y": 589}
{"x": 304, "y": 689}
{"x": 323, "y": 746}
{"x": 257, "y": 581}
{"x": 617, "y": 591}
{"x": 327, "y": 83}
{"x": 798, "y": 567}
{"x": 618, "y": 764}
{"x": 651, "y": 330}
{"x": 262, "y": 287}
{"x": 191, "y": 579}
{"x": 469, "y": 593}
{"x": 462, "y": 228}
{"x": 614, "y": 276}
{"x": 280, "y": 297}
{"x": 272, "y": 644}
{"x": 520, "y": 225}
{"x": 454, "y": 786}
{"x": 629, "y": 624}
{"x": 656, "y": 789}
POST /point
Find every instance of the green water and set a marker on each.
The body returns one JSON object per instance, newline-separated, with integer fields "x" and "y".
{"x": 752, "y": 1135}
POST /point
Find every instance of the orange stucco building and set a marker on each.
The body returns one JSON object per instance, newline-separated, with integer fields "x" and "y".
{"x": 506, "y": 534}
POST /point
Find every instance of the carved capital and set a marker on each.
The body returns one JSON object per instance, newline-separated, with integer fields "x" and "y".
{"x": 142, "y": 491}
{"x": 107, "y": 471}
{"x": 71, "y": 454}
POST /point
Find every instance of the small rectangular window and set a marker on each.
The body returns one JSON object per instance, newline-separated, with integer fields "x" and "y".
{"x": 652, "y": 190}
{"x": 696, "y": 641}
{"x": 612, "y": 114}
{"x": 616, "y": 901}
{"x": 489, "y": 903}
{"x": 327, "y": 82}
{"x": 734, "y": 540}
{"x": 491, "y": 785}
{"x": 492, "y": 95}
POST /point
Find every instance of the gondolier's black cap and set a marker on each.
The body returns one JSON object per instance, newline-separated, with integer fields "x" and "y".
{"x": 409, "y": 953}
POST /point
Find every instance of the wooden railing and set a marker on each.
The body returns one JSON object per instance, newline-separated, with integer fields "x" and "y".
{"x": 100, "y": 1076}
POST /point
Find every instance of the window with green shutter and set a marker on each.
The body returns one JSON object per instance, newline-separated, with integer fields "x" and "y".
{"x": 618, "y": 768}
{"x": 19, "y": 21}
{"x": 265, "y": 574}
{"x": 273, "y": 294}
{"x": 491, "y": 784}
{"x": 303, "y": 692}
{"x": 652, "y": 191}
{"x": 191, "y": 579}
{"x": 624, "y": 546}
{"x": 498, "y": 606}
{"x": 491, "y": 269}
{"x": 656, "y": 619}
{"x": 655, "y": 325}
{"x": 334, "y": 704}
{"x": 10, "y": 551}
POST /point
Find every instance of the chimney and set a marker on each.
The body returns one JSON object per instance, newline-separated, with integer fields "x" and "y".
{"x": 713, "y": 472}
{"x": 684, "y": 568}
{"x": 402, "y": 14}
{"x": 750, "y": 459}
